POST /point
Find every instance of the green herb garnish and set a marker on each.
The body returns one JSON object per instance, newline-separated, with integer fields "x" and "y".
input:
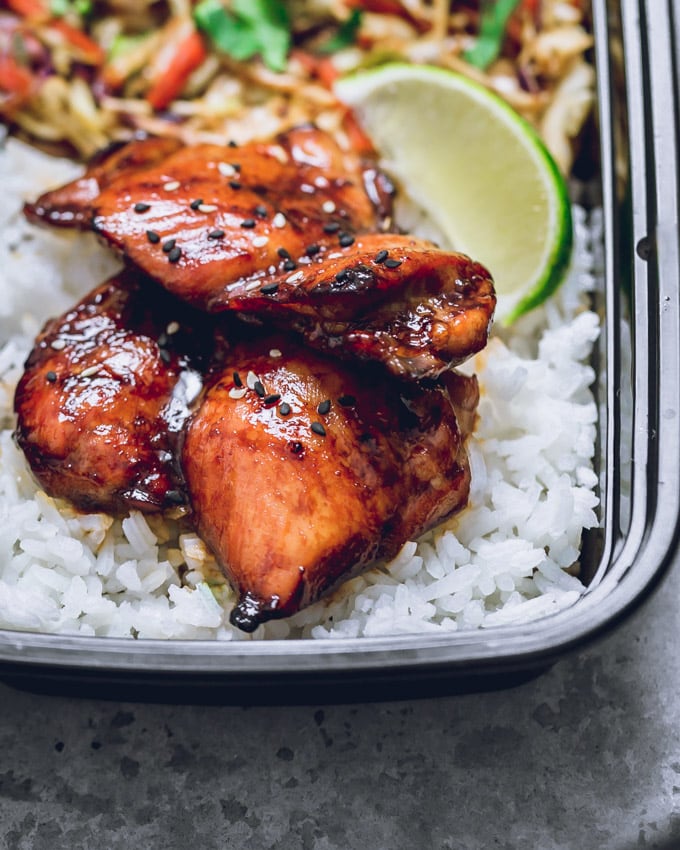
{"x": 249, "y": 28}
{"x": 494, "y": 16}
{"x": 345, "y": 36}
{"x": 124, "y": 44}
{"x": 59, "y": 8}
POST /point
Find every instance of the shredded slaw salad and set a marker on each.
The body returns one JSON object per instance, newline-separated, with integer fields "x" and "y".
{"x": 78, "y": 74}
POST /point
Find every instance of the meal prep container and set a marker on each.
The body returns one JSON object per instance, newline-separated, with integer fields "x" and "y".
{"x": 637, "y": 55}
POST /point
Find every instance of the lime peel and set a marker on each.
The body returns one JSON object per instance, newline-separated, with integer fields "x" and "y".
{"x": 477, "y": 168}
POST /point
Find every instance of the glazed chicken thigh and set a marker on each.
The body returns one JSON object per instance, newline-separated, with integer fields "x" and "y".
{"x": 301, "y": 470}
{"x": 291, "y": 232}
{"x": 105, "y": 393}
{"x": 273, "y": 360}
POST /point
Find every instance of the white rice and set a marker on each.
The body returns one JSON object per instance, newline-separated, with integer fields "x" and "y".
{"x": 510, "y": 557}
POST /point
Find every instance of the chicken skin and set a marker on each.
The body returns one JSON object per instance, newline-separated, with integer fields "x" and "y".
{"x": 392, "y": 299}
{"x": 302, "y": 470}
{"x": 105, "y": 392}
{"x": 71, "y": 205}
{"x": 292, "y": 232}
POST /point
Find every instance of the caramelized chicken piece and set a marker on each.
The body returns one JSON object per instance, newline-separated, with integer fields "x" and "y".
{"x": 302, "y": 470}
{"x": 105, "y": 393}
{"x": 390, "y": 299}
{"x": 286, "y": 231}
{"x": 232, "y": 212}
{"x": 71, "y": 205}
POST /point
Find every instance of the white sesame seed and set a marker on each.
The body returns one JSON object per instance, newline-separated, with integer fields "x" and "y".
{"x": 275, "y": 352}
{"x": 278, "y": 153}
{"x": 89, "y": 372}
{"x": 321, "y": 182}
{"x": 172, "y": 328}
{"x": 226, "y": 169}
{"x": 294, "y": 278}
{"x": 279, "y": 220}
{"x": 251, "y": 380}
{"x": 171, "y": 185}
{"x": 206, "y": 208}
{"x": 260, "y": 241}
{"x": 334, "y": 255}
{"x": 237, "y": 392}
{"x": 58, "y": 344}
{"x": 253, "y": 285}
{"x": 328, "y": 206}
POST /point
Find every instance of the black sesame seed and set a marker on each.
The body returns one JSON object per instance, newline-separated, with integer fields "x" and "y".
{"x": 312, "y": 250}
{"x": 195, "y": 204}
{"x": 342, "y": 275}
{"x": 331, "y": 227}
{"x": 153, "y": 237}
{"x": 259, "y": 388}
{"x": 347, "y": 400}
{"x": 346, "y": 239}
{"x": 284, "y": 409}
{"x": 324, "y": 407}
{"x": 272, "y": 399}
{"x": 235, "y": 184}
{"x": 50, "y": 377}
{"x": 248, "y": 222}
{"x": 169, "y": 245}
{"x": 392, "y": 264}
{"x": 269, "y": 288}
{"x": 174, "y": 497}
{"x": 260, "y": 211}
{"x": 283, "y": 253}
{"x": 289, "y": 265}
{"x": 232, "y": 144}
{"x": 140, "y": 208}
{"x": 296, "y": 447}
{"x": 380, "y": 257}
{"x": 216, "y": 234}
{"x": 237, "y": 380}
{"x": 318, "y": 428}
{"x": 174, "y": 255}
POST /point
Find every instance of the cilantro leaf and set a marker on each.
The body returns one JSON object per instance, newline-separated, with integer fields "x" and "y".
{"x": 252, "y": 27}
{"x": 493, "y": 20}
{"x": 59, "y": 8}
{"x": 346, "y": 34}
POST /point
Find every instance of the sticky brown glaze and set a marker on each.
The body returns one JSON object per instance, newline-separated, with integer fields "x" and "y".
{"x": 232, "y": 212}
{"x": 376, "y": 296}
{"x": 71, "y": 205}
{"x": 104, "y": 394}
{"x": 293, "y": 499}
{"x": 291, "y": 232}
{"x": 390, "y": 299}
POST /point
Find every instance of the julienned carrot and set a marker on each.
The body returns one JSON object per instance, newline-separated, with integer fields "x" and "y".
{"x": 14, "y": 78}
{"x": 37, "y": 10}
{"x": 389, "y": 7}
{"x": 358, "y": 139}
{"x": 321, "y": 67}
{"x": 91, "y": 52}
{"x": 189, "y": 53}
{"x": 29, "y": 8}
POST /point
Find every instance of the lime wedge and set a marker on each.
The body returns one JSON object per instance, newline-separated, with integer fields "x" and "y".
{"x": 477, "y": 168}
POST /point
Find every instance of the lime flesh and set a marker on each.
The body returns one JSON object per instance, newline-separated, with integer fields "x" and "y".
{"x": 477, "y": 168}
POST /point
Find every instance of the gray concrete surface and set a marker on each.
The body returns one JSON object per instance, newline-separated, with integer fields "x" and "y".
{"x": 587, "y": 756}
